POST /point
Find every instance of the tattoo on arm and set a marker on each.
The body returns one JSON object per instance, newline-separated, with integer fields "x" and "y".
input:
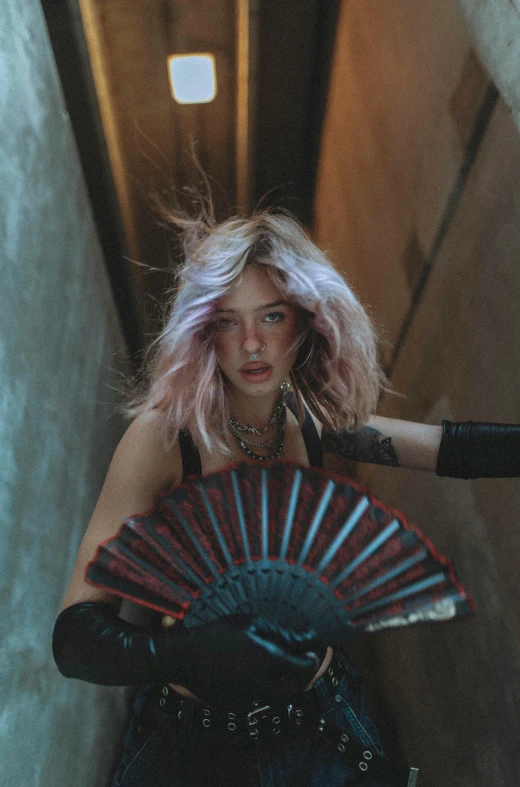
{"x": 361, "y": 445}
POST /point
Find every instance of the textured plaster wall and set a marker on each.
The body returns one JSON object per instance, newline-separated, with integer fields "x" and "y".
{"x": 406, "y": 97}
{"x": 60, "y": 347}
{"x": 495, "y": 27}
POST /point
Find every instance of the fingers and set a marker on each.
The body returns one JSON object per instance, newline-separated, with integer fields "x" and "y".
{"x": 288, "y": 637}
{"x": 295, "y": 652}
{"x": 297, "y": 647}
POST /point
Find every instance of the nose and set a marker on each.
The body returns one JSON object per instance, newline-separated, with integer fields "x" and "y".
{"x": 252, "y": 339}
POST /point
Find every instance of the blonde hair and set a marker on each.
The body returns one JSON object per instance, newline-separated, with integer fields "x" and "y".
{"x": 336, "y": 369}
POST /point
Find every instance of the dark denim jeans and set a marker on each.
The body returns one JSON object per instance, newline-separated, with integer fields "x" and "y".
{"x": 157, "y": 754}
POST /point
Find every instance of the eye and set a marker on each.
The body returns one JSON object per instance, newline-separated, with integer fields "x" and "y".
{"x": 275, "y": 317}
{"x": 224, "y": 323}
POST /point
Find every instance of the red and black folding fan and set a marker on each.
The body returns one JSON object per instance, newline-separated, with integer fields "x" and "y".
{"x": 295, "y": 544}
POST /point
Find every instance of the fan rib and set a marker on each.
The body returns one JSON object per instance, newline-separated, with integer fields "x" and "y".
{"x": 265, "y": 516}
{"x": 392, "y": 574}
{"x": 241, "y": 520}
{"x": 343, "y": 534}
{"x": 216, "y": 528}
{"x": 179, "y": 562}
{"x": 317, "y": 521}
{"x": 132, "y": 558}
{"x": 194, "y": 540}
{"x": 369, "y": 550}
{"x": 411, "y": 590}
{"x": 290, "y": 513}
{"x": 218, "y": 604}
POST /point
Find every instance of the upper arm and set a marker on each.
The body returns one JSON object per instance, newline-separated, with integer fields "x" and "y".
{"x": 138, "y": 471}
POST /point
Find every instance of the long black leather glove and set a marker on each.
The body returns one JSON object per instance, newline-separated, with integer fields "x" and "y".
{"x": 479, "y": 450}
{"x": 230, "y": 662}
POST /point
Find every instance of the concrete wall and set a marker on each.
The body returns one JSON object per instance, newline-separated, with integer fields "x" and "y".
{"x": 495, "y": 28}
{"x": 60, "y": 347}
{"x": 420, "y": 182}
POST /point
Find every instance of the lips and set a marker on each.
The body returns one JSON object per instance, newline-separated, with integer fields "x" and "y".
{"x": 251, "y": 367}
{"x": 258, "y": 372}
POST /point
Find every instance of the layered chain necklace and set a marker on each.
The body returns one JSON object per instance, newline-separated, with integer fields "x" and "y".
{"x": 276, "y": 421}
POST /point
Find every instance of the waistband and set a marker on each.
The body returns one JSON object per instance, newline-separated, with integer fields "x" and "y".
{"x": 303, "y": 712}
{"x": 299, "y": 712}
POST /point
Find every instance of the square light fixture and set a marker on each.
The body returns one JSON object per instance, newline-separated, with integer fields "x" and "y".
{"x": 193, "y": 78}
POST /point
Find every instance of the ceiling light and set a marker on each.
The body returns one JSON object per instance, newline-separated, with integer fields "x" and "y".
{"x": 193, "y": 78}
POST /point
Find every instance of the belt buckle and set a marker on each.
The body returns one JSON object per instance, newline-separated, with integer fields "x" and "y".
{"x": 258, "y": 710}
{"x": 253, "y": 722}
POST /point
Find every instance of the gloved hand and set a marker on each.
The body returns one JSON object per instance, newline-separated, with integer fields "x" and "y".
{"x": 238, "y": 659}
{"x": 231, "y": 661}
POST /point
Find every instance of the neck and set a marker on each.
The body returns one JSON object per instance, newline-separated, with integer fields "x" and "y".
{"x": 255, "y": 411}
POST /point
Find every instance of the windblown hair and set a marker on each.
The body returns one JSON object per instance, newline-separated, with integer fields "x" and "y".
{"x": 336, "y": 370}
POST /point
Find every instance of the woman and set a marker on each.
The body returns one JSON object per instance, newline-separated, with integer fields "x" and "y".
{"x": 261, "y": 319}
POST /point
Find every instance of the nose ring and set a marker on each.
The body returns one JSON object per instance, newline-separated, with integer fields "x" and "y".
{"x": 254, "y": 356}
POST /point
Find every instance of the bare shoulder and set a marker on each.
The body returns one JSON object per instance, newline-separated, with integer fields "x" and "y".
{"x": 149, "y": 429}
{"x": 141, "y": 467}
{"x": 144, "y": 451}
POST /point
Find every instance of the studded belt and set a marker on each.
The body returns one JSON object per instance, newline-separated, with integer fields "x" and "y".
{"x": 261, "y": 719}
{"x": 303, "y": 713}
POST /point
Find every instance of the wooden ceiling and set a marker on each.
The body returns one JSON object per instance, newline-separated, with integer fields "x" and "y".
{"x": 259, "y": 138}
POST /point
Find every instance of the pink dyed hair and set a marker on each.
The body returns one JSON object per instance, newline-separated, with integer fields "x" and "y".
{"x": 341, "y": 379}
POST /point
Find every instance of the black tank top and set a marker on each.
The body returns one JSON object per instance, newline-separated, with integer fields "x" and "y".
{"x": 191, "y": 464}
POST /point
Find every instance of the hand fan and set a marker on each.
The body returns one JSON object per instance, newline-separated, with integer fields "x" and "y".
{"x": 295, "y": 544}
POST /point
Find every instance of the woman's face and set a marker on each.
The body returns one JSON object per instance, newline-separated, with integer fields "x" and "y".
{"x": 255, "y": 314}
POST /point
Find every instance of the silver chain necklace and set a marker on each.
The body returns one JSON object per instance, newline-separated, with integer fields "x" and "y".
{"x": 275, "y": 445}
{"x": 277, "y": 420}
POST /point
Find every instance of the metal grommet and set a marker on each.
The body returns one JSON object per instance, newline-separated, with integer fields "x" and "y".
{"x": 341, "y": 747}
{"x": 276, "y": 730}
{"x": 162, "y": 702}
{"x": 231, "y": 715}
{"x": 232, "y": 726}
{"x": 330, "y": 671}
{"x": 252, "y": 722}
{"x": 344, "y": 738}
{"x": 299, "y": 713}
{"x": 206, "y": 711}
{"x": 276, "y": 720}
{"x": 363, "y": 766}
{"x": 298, "y": 721}
{"x": 206, "y": 722}
{"x": 335, "y": 681}
{"x": 179, "y": 715}
{"x": 253, "y": 733}
{"x": 165, "y": 691}
{"x": 367, "y": 755}
{"x": 338, "y": 697}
